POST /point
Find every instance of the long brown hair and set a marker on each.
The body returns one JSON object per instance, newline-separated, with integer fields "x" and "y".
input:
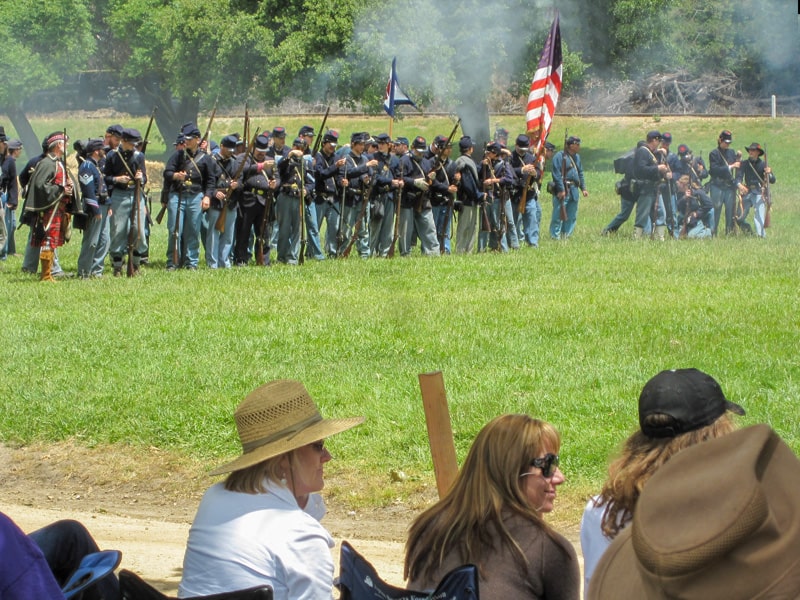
{"x": 486, "y": 490}
{"x": 641, "y": 457}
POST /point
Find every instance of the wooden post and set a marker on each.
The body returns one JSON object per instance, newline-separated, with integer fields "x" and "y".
{"x": 440, "y": 432}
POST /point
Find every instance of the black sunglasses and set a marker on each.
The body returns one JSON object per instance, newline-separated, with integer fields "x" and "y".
{"x": 548, "y": 464}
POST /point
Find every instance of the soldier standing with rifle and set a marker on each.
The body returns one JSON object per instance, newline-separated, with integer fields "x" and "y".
{"x": 222, "y": 212}
{"x": 469, "y": 197}
{"x": 354, "y": 178}
{"x": 753, "y": 179}
{"x": 123, "y": 169}
{"x": 415, "y": 204}
{"x": 326, "y": 167}
{"x": 387, "y": 187}
{"x": 293, "y": 191}
{"x": 647, "y": 173}
{"x": 95, "y": 199}
{"x": 314, "y": 247}
{"x": 525, "y": 192}
{"x": 722, "y": 165}
{"x": 258, "y": 187}
{"x": 496, "y": 178}
{"x": 444, "y": 186}
{"x": 569, "y": 184}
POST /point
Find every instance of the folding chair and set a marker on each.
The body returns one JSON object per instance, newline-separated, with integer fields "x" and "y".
{"x": 358, "y": 580}
{"x": 93, "y": 567}
{"x": 133, "y": 587}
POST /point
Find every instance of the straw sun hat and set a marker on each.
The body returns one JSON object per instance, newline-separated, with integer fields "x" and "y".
{"x": 278, "y": 417}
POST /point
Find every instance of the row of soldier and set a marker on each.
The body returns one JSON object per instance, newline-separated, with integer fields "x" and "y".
{"x": 670, "y": 193}
{"x": 239, "y": 202}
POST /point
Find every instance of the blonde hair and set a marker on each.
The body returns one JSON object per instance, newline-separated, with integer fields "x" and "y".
{"x": 486, "y": 489}
{"x": 641, "y": 457}
{"x": 250, "y": 480}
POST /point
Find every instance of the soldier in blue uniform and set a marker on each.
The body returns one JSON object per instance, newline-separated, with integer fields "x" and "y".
{"x": 469, "y": 196}
{"x": 568, "y": 188}
{"x": 694, "y": 206}
{"x": 123, "y": 167}
{"x": 497, "y": 179}
{"x": 95, "y": 201}
{"x": 416, "y": 215}
{"x": 256, "y": 204}
{"x": 294, "y": 189}
{"x": 355, "y": 177}
{"x": 326, "y": 197}
{"x": 722, "y": 165}
{"x": 527, "y": 174}
{"x": 444, "y": 185}
{"x": 752, "y": 177}
{"x": 648, "y": 173}
{"x": 219, "y": 246}
{"x": 192, "y": 177}
{"x": 387, "y": 186}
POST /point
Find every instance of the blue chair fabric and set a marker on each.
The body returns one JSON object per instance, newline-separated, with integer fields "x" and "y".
{"x": 358, "y": 580}
{"x": 93, "y": 567}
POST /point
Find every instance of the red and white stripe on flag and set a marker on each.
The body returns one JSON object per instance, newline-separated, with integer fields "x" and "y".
{"x": 545, "y": 87}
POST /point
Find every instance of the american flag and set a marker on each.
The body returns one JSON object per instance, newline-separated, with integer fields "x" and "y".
{"x": 545, "y": 87}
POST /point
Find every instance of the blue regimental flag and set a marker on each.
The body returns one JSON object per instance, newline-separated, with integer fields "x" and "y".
{"x": 394, "y": 95}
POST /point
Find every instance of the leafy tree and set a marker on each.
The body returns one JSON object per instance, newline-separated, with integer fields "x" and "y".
{"x": 50, "y": 41}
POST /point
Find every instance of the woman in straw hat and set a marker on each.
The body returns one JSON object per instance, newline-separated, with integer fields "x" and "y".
{"x": 261, "y": 525}
{"x": 677, "y": 409}
{"x": 492, "y": 517}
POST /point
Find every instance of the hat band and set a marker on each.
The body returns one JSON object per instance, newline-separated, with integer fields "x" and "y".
{"x": 287, "y": 433}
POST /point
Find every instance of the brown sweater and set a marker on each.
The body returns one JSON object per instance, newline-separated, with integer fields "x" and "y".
{"x": 552, "y": 574}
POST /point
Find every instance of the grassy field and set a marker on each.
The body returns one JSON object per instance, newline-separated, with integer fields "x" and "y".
{"x": 568, "y": 333}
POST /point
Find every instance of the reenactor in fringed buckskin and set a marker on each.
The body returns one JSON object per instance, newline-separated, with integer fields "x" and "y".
{"x": 496, "y": 179}
{"x": 50, "y": 200}
{"x": 94, "y": 192}
{"x": 123, "y": 168}
{"x": 648, "y": 174}
{"x": 444, "y": 184}
{"x": 751, "y": 179}
{"x": 192, "y": 178}
{"x": 258, "y": 185}
{"x": 314, "y": 247}
{"x": 415, "y": 206}
{"x": 326, "y": 168}
{"x": 569, "y": 188}
{"x": 469, "y": 198}
{"x": 294, "y": 188}
{"x": 354, "y": 178}
{"x": 219, "y": 246}
{"x": 526, "y": 174}
{"x": 722, "y": 165}
{"x": 387, "y": 185}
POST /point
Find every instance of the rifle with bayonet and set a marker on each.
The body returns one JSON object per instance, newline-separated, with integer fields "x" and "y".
{"x": 147, "y": 131}
{"x": 208, "y": 128}
{"x": 318, "y": 140}
{"x": 223, "y": 215}
{"x": 562, "y": 209}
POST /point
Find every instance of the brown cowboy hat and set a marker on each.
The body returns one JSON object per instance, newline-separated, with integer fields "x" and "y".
{"x": 756, "y": 146}
{"x": 278, "y": 417}
{"x": 720, "y": 520}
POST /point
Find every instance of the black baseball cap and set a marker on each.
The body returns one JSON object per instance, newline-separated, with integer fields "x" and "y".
{"x": 692, "y": 398}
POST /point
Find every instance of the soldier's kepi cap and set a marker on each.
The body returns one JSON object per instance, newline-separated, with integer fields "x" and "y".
{"x": 573, "y": 139}
{"x": 262, "y": 143}
{"x": 465, "y": 143}
{"x": 403, "y": 141}
{"x": 93, "y": 145}
{"x": 440, "y": 141}
{"x": 653, "y": 135}
{"x": 230, "y": 141}
{"x": 299, "y": 142}
{"x": 15, "y": 144}
{"x": 549, "y": 146}
{"x": 179, "y": 140}
{"x": 330, "y": 137}
{"x": 360, "y": 137}
{"x": 383, "y": 138}
{"x": 279, "y": 132}
{"x": 683, "y": 150}
{"x": 494, "y": 147}
{"x": 523, "y": 141}
{"x": 691, "y": 398}
{"x": 190, "y": 130}
{"x": 754, "y": 146}
{"x": 419, "y": 143}
{"x": 666, "y": 137}
{"x": 306, "y": 130}
{"x": 115, "y": 130}
{"x": 132, "y": 135}
{"x": 726, "y": 136}
{"x": 3, "y": 136}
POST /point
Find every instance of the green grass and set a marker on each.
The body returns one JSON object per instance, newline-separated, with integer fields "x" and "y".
{"x": 568, "y": 333}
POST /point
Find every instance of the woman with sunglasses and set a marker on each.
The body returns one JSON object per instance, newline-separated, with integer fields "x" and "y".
{"x": 261, "y": 525}
{"x": 492, "y": 517}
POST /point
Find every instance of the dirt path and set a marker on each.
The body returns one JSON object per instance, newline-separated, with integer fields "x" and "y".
{"x": 142, "y": 503}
